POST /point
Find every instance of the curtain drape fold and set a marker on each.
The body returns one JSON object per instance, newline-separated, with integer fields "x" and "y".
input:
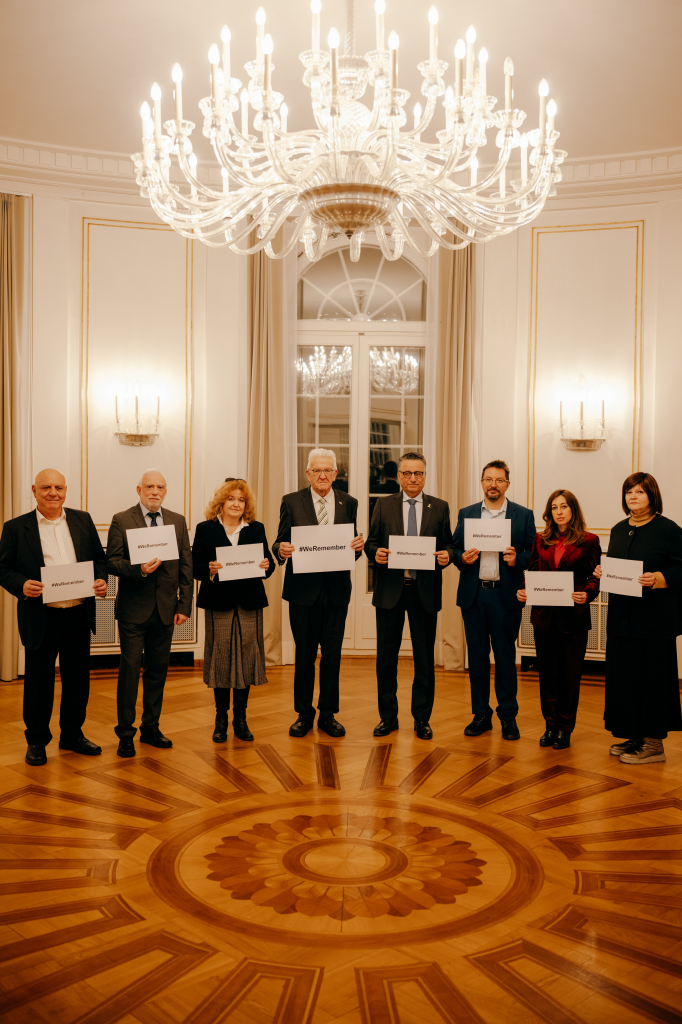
{"x": 266, "y": 453}
{"x": 14, "y": 397}
{"x": 454, "y": 417}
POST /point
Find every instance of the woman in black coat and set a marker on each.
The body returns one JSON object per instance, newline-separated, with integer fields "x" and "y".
{"x": 642, "y": 687}
{"x": 234, "y": 652}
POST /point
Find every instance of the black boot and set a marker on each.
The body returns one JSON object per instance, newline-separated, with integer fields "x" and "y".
{"x": 220, "y": 731}
{"x": 241, "y": 729}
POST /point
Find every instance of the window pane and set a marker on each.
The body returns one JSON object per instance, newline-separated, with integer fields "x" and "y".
{"x": 383, "y": 466}
{"x": 306, "y": 421}
{"x": 414, "y": 422}
{"x": 343, "y": 464}
{"x": 334, "y": 426}
{"x": 396, "y": 371}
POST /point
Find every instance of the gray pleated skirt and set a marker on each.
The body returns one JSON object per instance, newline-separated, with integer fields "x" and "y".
{"x": 234, "y": 651}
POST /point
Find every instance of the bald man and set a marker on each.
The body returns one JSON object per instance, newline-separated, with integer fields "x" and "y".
{"x": 53, "y": 535}
{"x": 152, "y": 600}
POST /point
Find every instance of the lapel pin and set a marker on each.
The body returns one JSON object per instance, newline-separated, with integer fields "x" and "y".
{"x": 429, "y": 505}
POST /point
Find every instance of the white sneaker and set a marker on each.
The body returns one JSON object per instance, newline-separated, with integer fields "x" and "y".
{"x": 648, "y": 751}
{"x": 616, "y": 749}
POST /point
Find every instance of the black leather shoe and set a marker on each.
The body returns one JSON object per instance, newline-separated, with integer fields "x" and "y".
{"x": 302, "y": 725}
{"x": 547, "y": 738}
{"x": 385, "y": 726}
{"x": 241, "y": 729}
{"x": 220, "y": 730}
{"x": 562, "y": 739}
{"x": 126, "y": 747}
{"x": 510, "y": 730}
{"x": 81, "y": 746}
{"x": 328, "y": 724}
{"x": 423, "y": 730}
{"x": 478, "y": 725}
{"x": 35, "y": 755}
{"x": 156, "y": 738}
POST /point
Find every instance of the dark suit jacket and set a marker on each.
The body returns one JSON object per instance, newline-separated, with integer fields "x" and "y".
{"x": 387, "y": 520}
{"x": 169, "y": 587}
{"x": 304, "y": 587}
{"x": 581, "y": 560}
{"x": 511, "y": 578}
{"x": 21, "y": 557}
{"x": 657, "y": 614}
{"x": 225, "y": 595}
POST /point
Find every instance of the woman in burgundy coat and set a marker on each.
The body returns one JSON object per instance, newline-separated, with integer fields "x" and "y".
{"x": 561, "y": 633}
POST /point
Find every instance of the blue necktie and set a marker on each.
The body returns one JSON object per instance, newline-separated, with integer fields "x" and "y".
{"x": 412, "y": 528}
{"x": 153, "y": 516}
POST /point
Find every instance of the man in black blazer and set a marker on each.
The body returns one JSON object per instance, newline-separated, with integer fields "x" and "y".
{"x": 152, "y": 600}
{"x": 318, "y": 601}
{"x": 487, "y": 596}
{"x": 53, "y": 535}
{"x": 416, "y": 592}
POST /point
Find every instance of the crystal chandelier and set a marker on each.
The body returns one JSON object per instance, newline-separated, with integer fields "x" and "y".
{"x": 360, "y": 168}
{"x": 326, "y": 372}
{"x": 393, "y": 371}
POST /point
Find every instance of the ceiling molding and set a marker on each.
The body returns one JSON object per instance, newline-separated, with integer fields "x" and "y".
{"x": 34, "y": 163}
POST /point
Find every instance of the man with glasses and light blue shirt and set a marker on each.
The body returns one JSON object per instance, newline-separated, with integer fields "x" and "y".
{"x": 487, "y": 596}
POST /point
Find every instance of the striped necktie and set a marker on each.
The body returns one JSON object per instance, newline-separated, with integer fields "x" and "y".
{"x": 322, "y": 519}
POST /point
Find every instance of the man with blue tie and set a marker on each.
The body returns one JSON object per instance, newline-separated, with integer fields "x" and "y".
{"x": 415, "y": 592}
{"x": 486, "y": 594}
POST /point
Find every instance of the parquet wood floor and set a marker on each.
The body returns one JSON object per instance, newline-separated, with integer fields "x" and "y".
{"x": 359, "y": 881}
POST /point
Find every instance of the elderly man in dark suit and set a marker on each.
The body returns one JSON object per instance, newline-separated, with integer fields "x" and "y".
{"x": 486, "y": 594}
{"x": 53, "y": 535}
{"x": 153, "y": 598}
{"x": 415, "y": 592}
{"x": 318, "y": 602}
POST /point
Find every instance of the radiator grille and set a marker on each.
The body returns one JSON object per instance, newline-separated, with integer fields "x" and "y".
{"x": 106, "y": 623}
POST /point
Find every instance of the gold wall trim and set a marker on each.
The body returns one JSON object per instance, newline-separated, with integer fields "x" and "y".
{"x": 537, "y": 232}
{"x": 87, "y": 224}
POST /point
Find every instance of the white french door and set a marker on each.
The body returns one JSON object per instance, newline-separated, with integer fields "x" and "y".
{"x": 366, "y": 400}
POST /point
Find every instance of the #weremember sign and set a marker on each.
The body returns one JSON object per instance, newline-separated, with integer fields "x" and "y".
{"x": 323, "y": 548}
{"x": 487, "y": 534}
{"x": 149, "y": 542}
{"x": 67, "y": 582}
{"x": 620, "y": 575}
{"x": 240, "y": 561}
{"x": 412, "y": 552}
{"x": 550, "y": 588}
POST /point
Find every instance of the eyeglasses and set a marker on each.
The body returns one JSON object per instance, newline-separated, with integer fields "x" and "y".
{"x": 489, "y": 480}
{"x": 320, "y": 472}
{"x": 417, "y": 476}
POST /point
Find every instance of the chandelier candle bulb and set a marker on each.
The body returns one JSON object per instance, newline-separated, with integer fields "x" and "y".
{"x": 244, "y": 97}
{"x": 551, "y": 114}
{"x": 214, "y": 60}
{"x": 156, "y": 96}
{"x": 147, "y": 123}
{"x": 333, "y": 41}
{"x": 267, "y": 64}
{"x": 283, "y": 114}
{"x": 226, "y": 36}
{"x": 226, "y": 181}
{"x": 543, "y": 90}
{"x": 474, "y": 170}
{"x": 433, "y": 34}
{"x": 508, "y": 75}
{"x": 471, "y": 39}
{"x": 393, "y": 43}
{"x": 482, "y": 65}
{"x": 379, "y": 8}
{"x": 460, "y": 54}
{"x": 316, "y": 7}
{"x": 176, "y": 75}
{"x": 260, "y": 32}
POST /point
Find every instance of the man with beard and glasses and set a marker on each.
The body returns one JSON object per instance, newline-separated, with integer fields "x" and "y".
{"x": 487, "y": 597}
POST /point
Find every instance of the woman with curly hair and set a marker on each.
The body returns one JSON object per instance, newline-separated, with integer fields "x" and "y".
{"x": 234, "y": 653}
{"x": 561, "y": 633}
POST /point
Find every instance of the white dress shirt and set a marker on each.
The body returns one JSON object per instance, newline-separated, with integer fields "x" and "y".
{"x": 328, "y": 501}
{"x": 240, "y": 527}
{"x": 490, "y": 560}
{"x": 406, "y": 512}
{"x": 58, "y": 549}
{"x": 147, "y": 518}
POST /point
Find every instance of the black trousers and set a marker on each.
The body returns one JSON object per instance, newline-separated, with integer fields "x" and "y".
{"x": 488, "y": 622}
{"x": 390, "y": 623}
{"x": 560, "y": 665}
{"x": 320, "y": 625}
{"x": 67, "y": 634}
{"x": 146, "y": 644}
{"x": 221, "y": 695}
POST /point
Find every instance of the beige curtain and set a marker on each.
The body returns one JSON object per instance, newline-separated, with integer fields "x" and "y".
{"x": 14, "y": 431}
{"x": 454, "y": 417}
{"x": 266, "y": 455}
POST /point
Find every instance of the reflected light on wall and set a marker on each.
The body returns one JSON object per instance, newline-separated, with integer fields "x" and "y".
{"x": 137, "y": 414}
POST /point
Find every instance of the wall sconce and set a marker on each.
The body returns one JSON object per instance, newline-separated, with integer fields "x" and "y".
{"x": 582, "y": 435}
{"x": 137, "y": 416}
